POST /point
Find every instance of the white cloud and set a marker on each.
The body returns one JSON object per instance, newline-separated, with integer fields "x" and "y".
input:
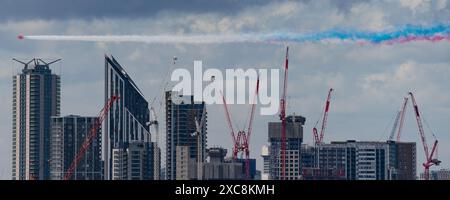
{"x": 369, "y": 17}
{"x": 424, "y": 5}
{"x": 28, "y": 26}
{"x": 441, "y": 4}
{"x": 284, "y": 9}
{"x": 5, "y": 72}
{"x": 413, "y": 4}
{"x": 423, "y": 79}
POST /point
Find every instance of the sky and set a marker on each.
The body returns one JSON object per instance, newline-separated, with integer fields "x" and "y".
{"x": 370, "y": 81}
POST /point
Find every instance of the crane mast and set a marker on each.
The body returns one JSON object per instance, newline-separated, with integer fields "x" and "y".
{"x": 319, "y": 139}
{"x": 399, "y": 121}
{"x": 402, "y": 118}
{"x": 283, "y": 116}
{"x": 394, "y": 128}
{"x": 199, "y": 134}
{"x": 155, "y": 123}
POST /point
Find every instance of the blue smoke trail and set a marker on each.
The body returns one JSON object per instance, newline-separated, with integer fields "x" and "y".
{"x": 408, "y": 31}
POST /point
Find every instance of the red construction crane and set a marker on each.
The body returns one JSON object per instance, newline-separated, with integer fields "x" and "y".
{"x": 241, "y": 141}
{"x": 91, "y": 135}
{"x": 283, "y": 116}
{"x": 429, "y": 160}
{"x": 319, "y": 139}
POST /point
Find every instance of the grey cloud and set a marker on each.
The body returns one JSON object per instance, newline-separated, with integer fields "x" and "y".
{"x": 86, "y": 9}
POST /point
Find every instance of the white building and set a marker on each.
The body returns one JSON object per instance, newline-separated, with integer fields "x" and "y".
{"x": 265, "y": 175}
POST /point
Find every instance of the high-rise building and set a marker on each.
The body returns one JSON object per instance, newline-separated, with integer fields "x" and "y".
{"x": 294, "y": 138}
{"x": 156, "y": 162}
{"x": 219, "y": 168}
{"x": 186, "y": 166}
{"x": 36, "y": 97}
{"x": 258, "y": 175}
{"x": 359, "y": 160}
{"x": 308, "y": 157}
{"x": 337, "y": 157}
{"x": 162, "y": 174}
{"x": 127, "y": 120}
{"x": 405, "y": 160}
{"x": 354, "y": 160}
{"x": 136, "y": 162}
{"x": 442, "y": 174}
{"x": 265, "y": 154}
{"x": 343, "y": 156}
{"x": 181, "y": 113}
{"x": 67, "y": 136}
{"x": 252, "y": 167}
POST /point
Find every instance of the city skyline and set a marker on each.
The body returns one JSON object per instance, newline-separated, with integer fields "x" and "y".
{"x": 370, "y": 81}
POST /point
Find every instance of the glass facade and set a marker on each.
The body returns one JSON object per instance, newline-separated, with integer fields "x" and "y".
{"x": 294, "y": 139}
{"x": 128, "y": 117}
{"x": 181, "y": 112}
{"x": 36, "y": 97}
{"x": 67, "y": 135}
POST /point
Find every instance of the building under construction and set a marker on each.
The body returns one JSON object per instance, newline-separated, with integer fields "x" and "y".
{"x": 294, "y": 139}
{"x": 219, "y": 169}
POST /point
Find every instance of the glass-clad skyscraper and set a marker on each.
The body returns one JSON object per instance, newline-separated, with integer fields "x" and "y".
{"x": 36, "y": 97}
{"x": 181, "y": 113}
{"x": 127, "y": 120}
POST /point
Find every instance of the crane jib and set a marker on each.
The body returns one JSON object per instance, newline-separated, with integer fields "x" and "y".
{"x": 417, "y": 111}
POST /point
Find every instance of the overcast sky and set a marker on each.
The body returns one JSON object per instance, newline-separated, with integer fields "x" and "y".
{"x": 370, "y": 81}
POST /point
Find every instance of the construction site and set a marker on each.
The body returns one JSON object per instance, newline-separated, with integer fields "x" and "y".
{"x": 347, "y": 160}
{"x": 128, "y": 129}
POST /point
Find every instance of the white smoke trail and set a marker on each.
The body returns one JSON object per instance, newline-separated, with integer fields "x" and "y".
{"x": 398, "y": 36}
{"x": 187, "y": 39}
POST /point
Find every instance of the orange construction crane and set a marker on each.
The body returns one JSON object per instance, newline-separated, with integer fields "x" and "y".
{"x": 92, "y": 134}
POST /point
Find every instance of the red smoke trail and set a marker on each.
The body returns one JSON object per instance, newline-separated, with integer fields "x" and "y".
{"x": 434, "y": 38}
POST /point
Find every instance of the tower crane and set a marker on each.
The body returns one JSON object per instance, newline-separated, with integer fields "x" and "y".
{"x": 241, "y": 141}
{"x": 429, "y": 160}
{"x": 399, "y": 121}
{"x": 283, "y": 116}
{"x": 90, "y": 136}
{"x": 156, "y": 153}
{"x": 319, "y": 138}
{"x": 155, "y": 124}
{"x": 199, "y": 134}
